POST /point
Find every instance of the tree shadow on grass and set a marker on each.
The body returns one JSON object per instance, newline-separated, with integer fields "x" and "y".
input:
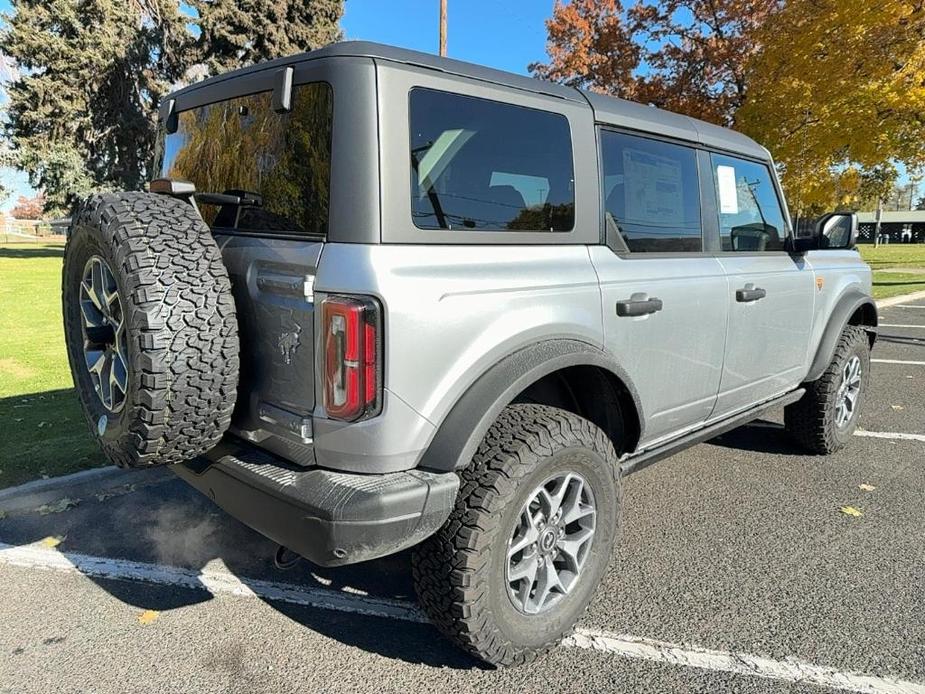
{"x": 27, "y": 252}
{"x": 898, "y": 283}
{"x": 44, "y": 434}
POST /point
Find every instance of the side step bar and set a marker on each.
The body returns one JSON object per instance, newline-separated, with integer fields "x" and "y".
{"x": 637, "y": 462}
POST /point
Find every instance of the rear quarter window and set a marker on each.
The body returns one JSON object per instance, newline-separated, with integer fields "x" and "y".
{"x": 485, "y": 165}
{"x": 279, "y": 163}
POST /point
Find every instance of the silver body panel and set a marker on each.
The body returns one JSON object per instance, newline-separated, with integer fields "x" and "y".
{"x": 456, "y": 303}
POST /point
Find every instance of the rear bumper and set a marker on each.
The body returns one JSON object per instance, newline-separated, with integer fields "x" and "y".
{"x": 330, "y": 518}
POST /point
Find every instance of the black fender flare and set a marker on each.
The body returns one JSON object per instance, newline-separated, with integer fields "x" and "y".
{"x": 459, "y": 434}
{"x": 846, "y": 307}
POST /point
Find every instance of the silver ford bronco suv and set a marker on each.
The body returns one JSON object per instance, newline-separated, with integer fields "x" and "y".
{"x": 377, "y": 299}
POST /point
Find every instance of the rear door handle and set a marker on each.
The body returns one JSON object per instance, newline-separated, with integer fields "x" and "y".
{"x": 638, "y": 307}
{"x": 750, "y": 293}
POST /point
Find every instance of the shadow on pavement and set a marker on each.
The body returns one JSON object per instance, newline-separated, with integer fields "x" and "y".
{"x": 760, "y": 436}
{"x": 169, "y": 523}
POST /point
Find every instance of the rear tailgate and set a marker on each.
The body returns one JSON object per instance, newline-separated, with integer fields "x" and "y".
{"x": 272, "y": 281}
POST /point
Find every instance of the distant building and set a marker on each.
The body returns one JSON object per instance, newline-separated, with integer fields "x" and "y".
{"x": 904, "y": 226}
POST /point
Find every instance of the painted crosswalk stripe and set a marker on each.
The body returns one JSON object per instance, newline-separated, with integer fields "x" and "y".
{"x": 223, "y": 582}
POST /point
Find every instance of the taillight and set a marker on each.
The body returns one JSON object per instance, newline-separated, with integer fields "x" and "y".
{"x": 352, "y": 357}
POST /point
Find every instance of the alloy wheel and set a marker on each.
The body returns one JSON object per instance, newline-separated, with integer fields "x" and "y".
{"x": 105, "y": 341}
{"x": 551, "y": 542}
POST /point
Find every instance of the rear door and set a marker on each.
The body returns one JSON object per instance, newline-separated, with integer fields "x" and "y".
{"x": 771, "y": 292}
{"x": 663, "y": 297}
{"x": 267, "y": 171}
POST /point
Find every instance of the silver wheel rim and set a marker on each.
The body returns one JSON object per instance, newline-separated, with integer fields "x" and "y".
{"x": 551, "y": 542}
{"x": 846, "y": 400}
{"x": 105, "y": 342}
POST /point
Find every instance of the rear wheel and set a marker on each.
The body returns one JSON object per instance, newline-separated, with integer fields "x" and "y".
{"x": 518, "y": 561}
{"x": 150, "y": 328}
{"x": 825, "y": 418}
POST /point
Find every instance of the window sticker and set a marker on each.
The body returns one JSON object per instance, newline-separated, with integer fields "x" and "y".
{"x": 653, "y": 188}
{"x": 728, "y": 193}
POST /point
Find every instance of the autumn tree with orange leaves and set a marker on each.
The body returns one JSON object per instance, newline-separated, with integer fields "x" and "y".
{"x": 834, "y": 88}
{"x": 695, "y": 52}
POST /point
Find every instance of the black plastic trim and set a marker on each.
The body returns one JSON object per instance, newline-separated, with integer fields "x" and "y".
{"x": 465, "y": 426}
{"x": 634, "y": 463}
{"x": 850, "y": 302}
{"x": 330, "y": 518}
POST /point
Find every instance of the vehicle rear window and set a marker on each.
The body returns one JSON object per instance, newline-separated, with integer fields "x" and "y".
{"x": 651, "y": 193}
{"x": 484, "y": 165}
{"x": 279, "y": 163}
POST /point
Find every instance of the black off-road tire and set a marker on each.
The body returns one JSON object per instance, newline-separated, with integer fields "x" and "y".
{"x": 179, "y": 317}
{"x": 459, "y": 573}
{"x": 811, "y": 420}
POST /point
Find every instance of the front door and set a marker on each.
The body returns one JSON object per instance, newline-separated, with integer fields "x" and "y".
{"x": 770, "y": 293}
{"x": 663, "y": 299}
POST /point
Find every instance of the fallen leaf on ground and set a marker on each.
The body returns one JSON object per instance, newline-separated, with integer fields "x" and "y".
{"x": 148, "y": 616}
{"x": 52, "y": 541}
{"x": 2, "y": 515}
{"x": 866, "y": 487}
{"x": 58, "y": 506}
{"x": 897, "y": 407}
{"x": 851, "y": 511}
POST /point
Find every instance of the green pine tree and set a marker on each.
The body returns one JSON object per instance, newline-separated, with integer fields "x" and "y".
{"x": 236, "y": 33}
{"x": 81, "y": 115}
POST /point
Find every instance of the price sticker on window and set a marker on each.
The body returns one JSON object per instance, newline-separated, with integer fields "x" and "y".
{"x": 728, "y": 195}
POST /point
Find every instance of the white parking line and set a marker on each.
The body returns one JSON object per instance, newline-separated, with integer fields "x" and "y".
{"x": 223, "y": 582}
{"x": 790, "y": 670}
{"x": 899, "y": 325}
{"x": 897, "y": 361}
{"x": 889, "y": 435}
{"x": 908, "y": 306}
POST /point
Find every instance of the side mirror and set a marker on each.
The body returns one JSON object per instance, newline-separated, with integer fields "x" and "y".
{"x": 837, "y": 230}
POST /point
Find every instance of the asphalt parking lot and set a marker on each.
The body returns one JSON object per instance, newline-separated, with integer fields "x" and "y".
{"x": 739, "y": 570}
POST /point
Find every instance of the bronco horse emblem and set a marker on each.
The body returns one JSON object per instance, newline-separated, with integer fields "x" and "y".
{"x": 289, "y": 342}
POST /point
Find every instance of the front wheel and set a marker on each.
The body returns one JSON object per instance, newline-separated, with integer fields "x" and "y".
{"x": 520, "y": 556}
{"x": 825, "y": 418}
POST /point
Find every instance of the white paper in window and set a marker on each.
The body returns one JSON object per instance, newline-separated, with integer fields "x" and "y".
{"x": 654, "y": 194}
{"x": 728, "y": 196}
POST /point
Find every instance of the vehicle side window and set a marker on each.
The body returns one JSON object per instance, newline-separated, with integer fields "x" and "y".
{"x": 750, "y": 215}
{"x": 488, "y": 166}
{"x": 277, "y": 165}
{"x": 651, "y": 193}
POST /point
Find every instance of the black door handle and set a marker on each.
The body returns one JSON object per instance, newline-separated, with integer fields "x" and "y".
{"x": 638, "y": 307}
{"x": 750, "y": 293}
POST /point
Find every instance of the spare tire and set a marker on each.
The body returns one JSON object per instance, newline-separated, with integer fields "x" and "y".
{"x": 150, "y": 326}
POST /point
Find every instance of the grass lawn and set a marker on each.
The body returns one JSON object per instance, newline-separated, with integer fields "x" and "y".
{"x": 903, "y": 255}
{"x": 887, "y": 284}
{"x": 42, "y": 430}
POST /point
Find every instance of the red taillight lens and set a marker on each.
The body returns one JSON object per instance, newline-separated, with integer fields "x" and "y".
{"x": 352, "y": 357}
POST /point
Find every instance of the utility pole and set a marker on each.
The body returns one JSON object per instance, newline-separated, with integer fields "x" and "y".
{"x": 879, "y": 218}
{"x": 443, "y": 27}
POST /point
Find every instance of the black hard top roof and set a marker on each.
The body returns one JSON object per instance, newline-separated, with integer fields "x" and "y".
{"x": 607, "y": 109}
